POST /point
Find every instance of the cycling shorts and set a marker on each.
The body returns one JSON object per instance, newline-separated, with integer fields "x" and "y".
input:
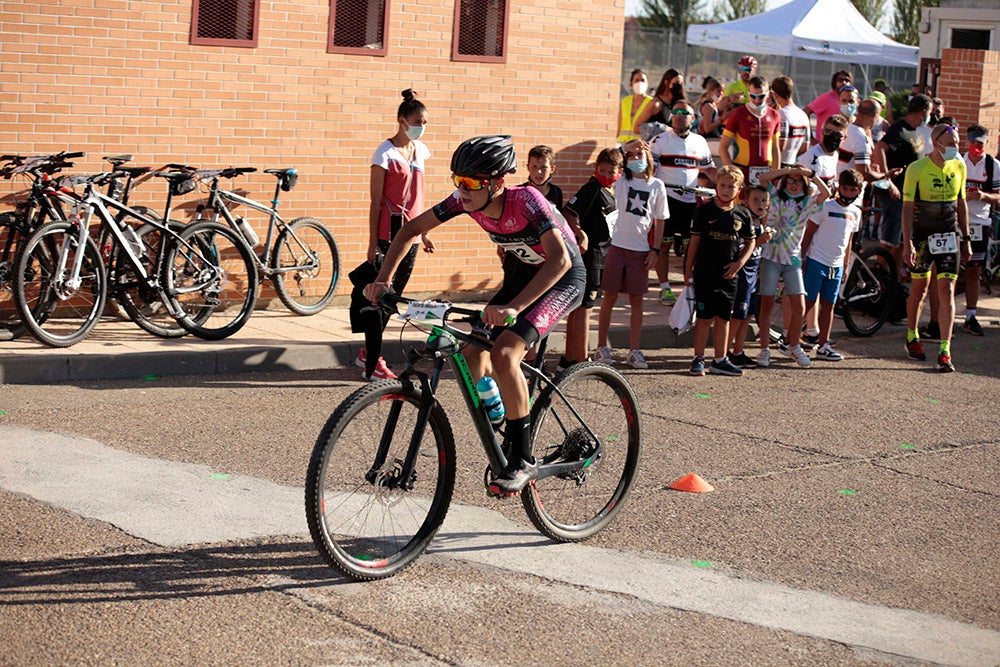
{"x": 980, "y": 246}
{"x": 946, "y": 262}
{"x": 539, "y": 318}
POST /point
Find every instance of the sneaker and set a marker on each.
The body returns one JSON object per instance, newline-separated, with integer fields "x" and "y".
{"x": 809, "y": 341}
{"x": 724, "y": 367}
{"x": 741, "y": 360}
{"x": 512, "y": 481}
{"x": 782, "y": 346}
{"x": 667, "y": 297}
{"x": 603, "y": 355}
{"x": 636, "y": 360}
{"x": 944, "y": 363}
{"x": 915, "y": 350}
{"x": 381, "y": 372}
{"x": 930, "y": 331}
{"x": 800, "y": 356}
{"x": 697, "y": 366}
{"x": 362, "y": 359}
{"x": 827, "y": 353}
{"x": 972, "y": 326}
{"x": 764, "y": 358}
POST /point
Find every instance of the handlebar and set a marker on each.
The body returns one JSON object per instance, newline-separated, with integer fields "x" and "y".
{"x": 389, "y": 300}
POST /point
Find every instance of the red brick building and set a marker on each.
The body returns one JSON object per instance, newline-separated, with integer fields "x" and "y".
{"x": 312, "y": 84}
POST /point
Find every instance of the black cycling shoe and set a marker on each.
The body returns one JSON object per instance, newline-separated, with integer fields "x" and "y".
{"x": 930, "y": 331}
{"x": 512, "y": 482}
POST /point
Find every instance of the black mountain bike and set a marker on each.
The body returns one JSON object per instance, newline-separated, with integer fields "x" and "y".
{"x": 382, "y": 472}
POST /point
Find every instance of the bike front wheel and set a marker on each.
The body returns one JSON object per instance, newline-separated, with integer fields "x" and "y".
{"x": 573, "y": 505}
{"x": 11, "y": 239}
{"x": 307, "y": 266}
{"x": 368, "y": 517}
{"x": 60, "y": 309}
{"x": 211, "y": 275}
{"x": 870, "y": 291}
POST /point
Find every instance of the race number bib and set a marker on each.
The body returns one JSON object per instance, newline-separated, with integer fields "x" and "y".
{"x": 523, "y": 252}
{"x": 755, "y": 173}
{"x": 943, "y": 244}
{"x": 976, "y": 232}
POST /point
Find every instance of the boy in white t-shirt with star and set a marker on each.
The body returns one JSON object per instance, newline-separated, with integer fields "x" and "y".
{"x": 826, "y": 246}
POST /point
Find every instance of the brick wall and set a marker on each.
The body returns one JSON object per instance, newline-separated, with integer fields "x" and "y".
{"x": 119, "y": 76}
{"x": 969, "y": 86}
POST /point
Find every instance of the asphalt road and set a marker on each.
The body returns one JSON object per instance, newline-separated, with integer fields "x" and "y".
{"x": 854, "y": 522}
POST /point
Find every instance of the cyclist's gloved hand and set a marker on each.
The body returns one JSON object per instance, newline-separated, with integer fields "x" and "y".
{"x": 499, "y": 315}
{"x": 374, "y": 291}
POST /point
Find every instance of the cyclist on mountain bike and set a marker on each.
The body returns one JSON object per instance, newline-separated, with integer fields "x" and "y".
{"x": 539, "y": 289}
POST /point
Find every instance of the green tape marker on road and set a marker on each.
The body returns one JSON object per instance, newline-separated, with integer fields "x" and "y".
{"x": 149, "y": 378}
{"x": 221, "y": 475}
{"x": 907, "y": 446}
{"x": 2, "y": 413}
{"x": 703, "y": 396}
{"x": 847, "y": 492}
{"x": 933, "y": 400}
{"x": 701, "y": 563}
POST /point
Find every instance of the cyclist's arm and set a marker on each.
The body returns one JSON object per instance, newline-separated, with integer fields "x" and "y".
{"x": 375, "y": 209}
{"x": 422, "y": 224}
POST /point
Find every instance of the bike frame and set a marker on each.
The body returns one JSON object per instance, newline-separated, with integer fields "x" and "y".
{"x": 444, "y": 344}
{"x": 218, "y": 201}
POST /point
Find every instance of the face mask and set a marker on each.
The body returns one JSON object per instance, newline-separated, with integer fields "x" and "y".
{"x": 800, "y": 195}
{"x": 927, "y": 121}
{"x": 605, "y": 181}
{"x": 848, "y": 109}
{"x": 414, "y": 132}
{"x": 757, "y": 108}
{"x": 976, "y": 151}
{"x": 640, "y": 87}
{"x": 950, "y": 152}
{"x": 638, "y": 166}
{"x": 831, "y": 143}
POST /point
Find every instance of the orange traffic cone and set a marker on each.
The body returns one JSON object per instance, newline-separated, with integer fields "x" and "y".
{"x": 691, "y": 483}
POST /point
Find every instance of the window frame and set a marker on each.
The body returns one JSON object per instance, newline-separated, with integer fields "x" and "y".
{"x": 357, "y": 50}
{"x": 465, "y": 57}
{"x": 251, "y": 43}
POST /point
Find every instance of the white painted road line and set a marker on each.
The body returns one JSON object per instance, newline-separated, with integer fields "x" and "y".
{"x": 175, "y": 504}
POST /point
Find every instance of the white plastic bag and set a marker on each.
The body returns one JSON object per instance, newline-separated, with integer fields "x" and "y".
{"x": 681, "y": 317}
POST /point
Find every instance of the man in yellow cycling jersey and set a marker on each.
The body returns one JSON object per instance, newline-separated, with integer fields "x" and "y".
{"x": 935, "y": 234}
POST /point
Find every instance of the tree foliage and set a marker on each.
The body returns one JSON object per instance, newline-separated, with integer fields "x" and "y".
{"x": 906, "y": 20}
{"x": 676, "y": 15}
{"x": 872, "y": 10}
{"x": 730, "y": 10}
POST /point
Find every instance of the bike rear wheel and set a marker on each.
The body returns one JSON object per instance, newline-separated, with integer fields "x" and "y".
{"x": 11, "y": 238}
{"x": 140, "y": 301}
{"x": 869, "y": 297}
{"x": 573, "y": 506}
{"x": 211, "y": 274}
{"x": 59, "y": 314}
{"x": 308, "y": 244}
{"x": 362, "y": 520}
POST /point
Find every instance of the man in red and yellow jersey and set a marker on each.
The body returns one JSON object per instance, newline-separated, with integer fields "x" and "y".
{"x": 750, "y": 140}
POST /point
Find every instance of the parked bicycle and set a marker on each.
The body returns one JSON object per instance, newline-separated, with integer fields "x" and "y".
{"x": 870, "y": 291}
{"x": 303, "y": 264}
{"x": 382, "y": 472}
{"x": 201, "y": 274}
{"x": 30, "y": 212}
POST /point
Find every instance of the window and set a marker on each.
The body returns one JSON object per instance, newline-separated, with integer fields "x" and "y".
{"x": 963, "y": 38}
{"x": 225, "y": 22}
{"x": 480, "y": 31}
{"x": 358, "y": 26}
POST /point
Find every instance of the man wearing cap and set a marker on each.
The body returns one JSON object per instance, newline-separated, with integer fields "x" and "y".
{"x": 935, "y": 235}
{"x": 982, "y": 191}
{"x": 737, "y": 90}
{"x": 882, "y": 89}
{"x": 881, "y": 124}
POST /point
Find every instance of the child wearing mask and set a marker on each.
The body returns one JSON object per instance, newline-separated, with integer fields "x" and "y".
{"x": 642, "y": 206}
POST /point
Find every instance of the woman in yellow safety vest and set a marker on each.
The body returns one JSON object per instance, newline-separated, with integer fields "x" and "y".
{"x": 632, "y": 107}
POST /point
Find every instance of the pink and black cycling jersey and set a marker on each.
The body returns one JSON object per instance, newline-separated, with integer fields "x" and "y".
{"x": 526, "y": 216}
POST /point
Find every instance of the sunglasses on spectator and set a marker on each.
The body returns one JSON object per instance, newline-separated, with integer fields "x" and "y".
{"x": 469, "y": 183}
{"x": 757, "y": 97}
{"x": 681, "y": 112}
{"x": 745, "y": 68}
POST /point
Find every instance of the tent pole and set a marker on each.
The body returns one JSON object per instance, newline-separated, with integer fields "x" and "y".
{"x": 687, "y": 53}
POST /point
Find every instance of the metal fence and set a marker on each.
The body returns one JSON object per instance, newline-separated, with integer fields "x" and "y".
{"x": 657, "y": 49}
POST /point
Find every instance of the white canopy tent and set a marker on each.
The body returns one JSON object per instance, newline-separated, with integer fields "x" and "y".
{"x": 830, "y": 30}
